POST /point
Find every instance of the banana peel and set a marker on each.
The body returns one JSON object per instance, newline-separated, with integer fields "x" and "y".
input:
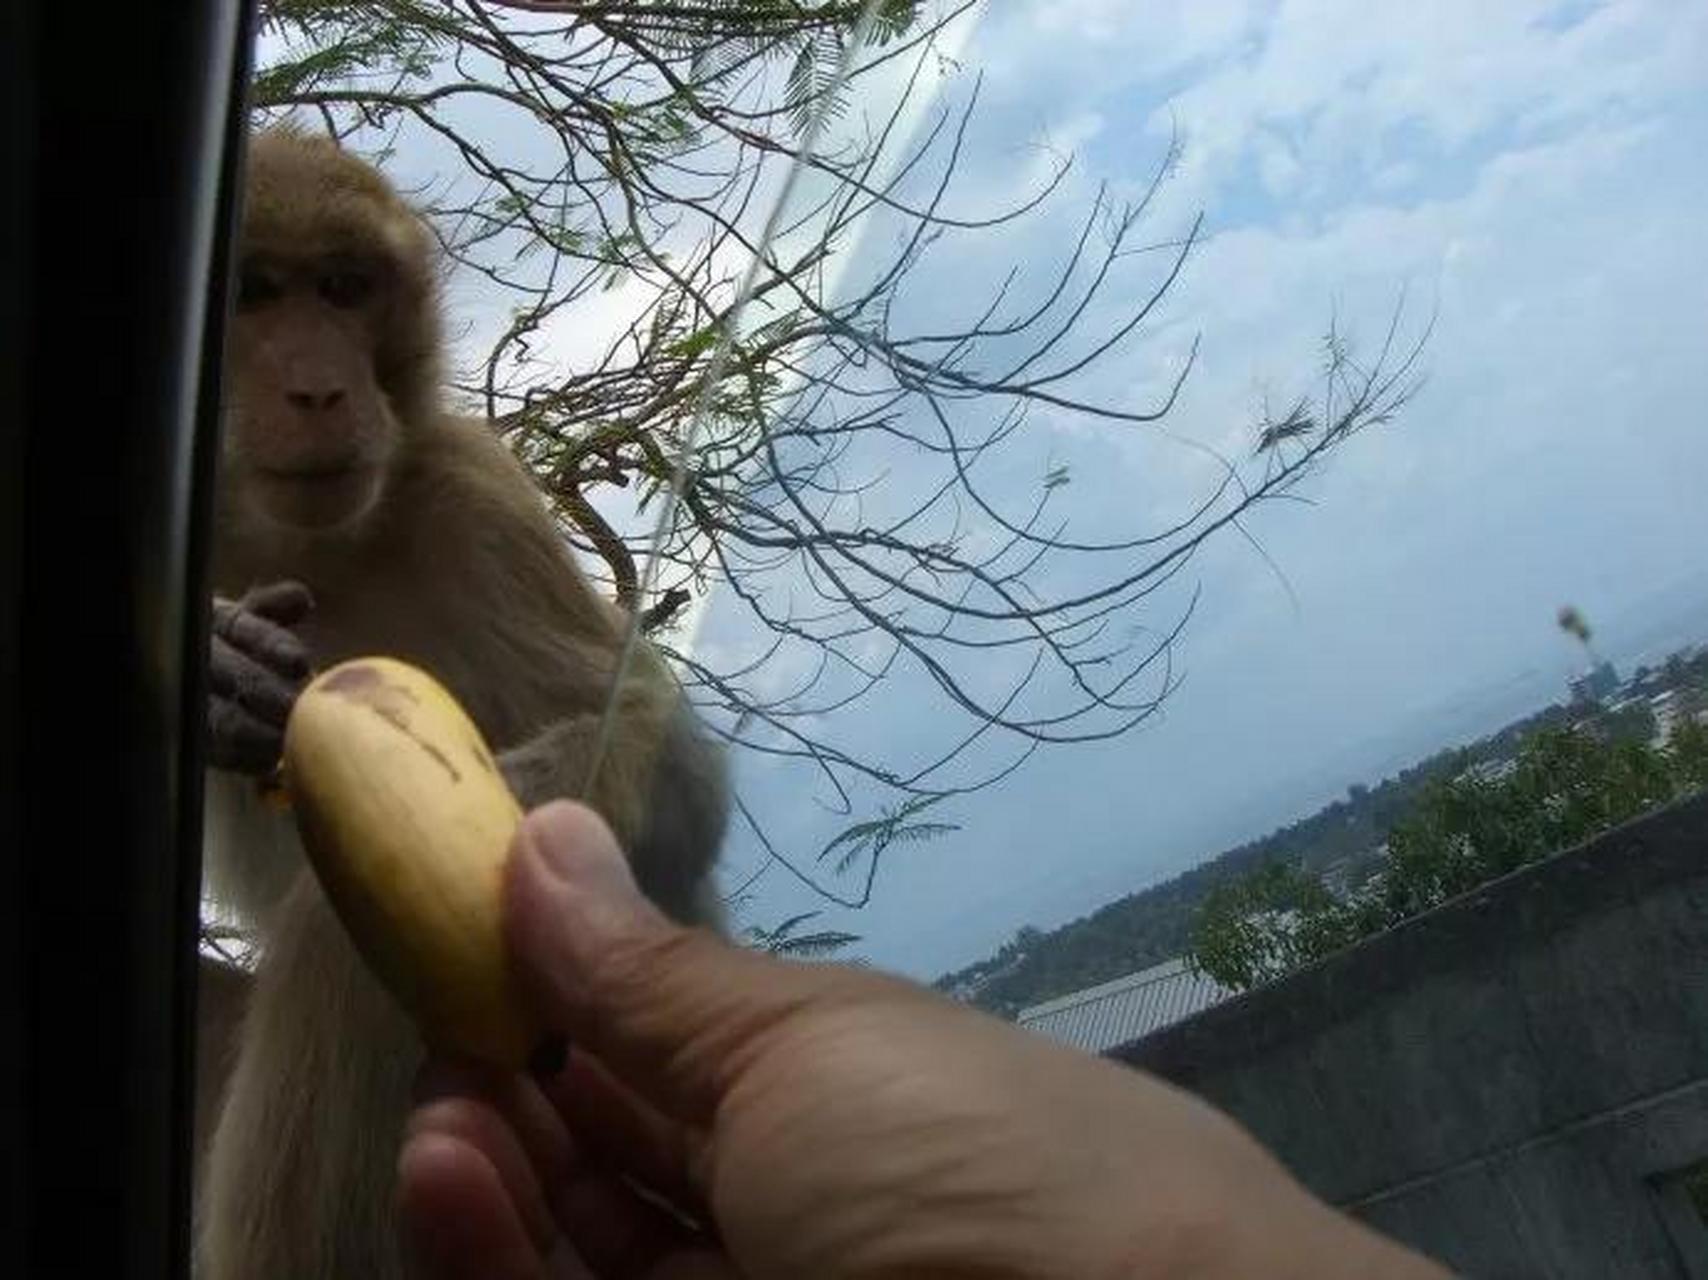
{"x": 408, "y": 823}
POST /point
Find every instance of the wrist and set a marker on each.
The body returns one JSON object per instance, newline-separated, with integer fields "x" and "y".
{"x": 1225, "y": 1209}
{"x": 1296, "y": 1237}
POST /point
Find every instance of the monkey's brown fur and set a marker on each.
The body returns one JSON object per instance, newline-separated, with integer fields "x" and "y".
{"x": 439, "y": 551}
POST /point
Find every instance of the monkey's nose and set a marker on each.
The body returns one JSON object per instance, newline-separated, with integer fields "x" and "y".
{"x": 315, "y": 401}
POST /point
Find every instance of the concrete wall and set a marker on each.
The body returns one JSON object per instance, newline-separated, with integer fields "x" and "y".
{"x": 1512, "y": 1082}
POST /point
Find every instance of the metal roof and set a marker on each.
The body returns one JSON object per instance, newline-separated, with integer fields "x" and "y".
{"x": 1127, "y": 1009}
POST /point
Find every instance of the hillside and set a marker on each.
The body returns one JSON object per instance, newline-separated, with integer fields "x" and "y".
{"x": 1340, "y": 842}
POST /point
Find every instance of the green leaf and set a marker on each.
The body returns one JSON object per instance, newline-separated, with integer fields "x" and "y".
{"x": 697, "y": 343}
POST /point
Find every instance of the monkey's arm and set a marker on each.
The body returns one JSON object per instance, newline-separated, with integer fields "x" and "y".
{"x": 251, "y": 853}
{"x": 299, "y": 1178}
{"x": 256, "y": 667}
{"x": 661, "y": 785}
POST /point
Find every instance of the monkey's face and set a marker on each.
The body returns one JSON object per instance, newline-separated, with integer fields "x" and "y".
{"x": 310, "y": 430}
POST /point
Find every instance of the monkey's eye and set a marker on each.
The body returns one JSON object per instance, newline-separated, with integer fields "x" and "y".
{"x": 346, "y": 286}
{"x": 256, "y": 288}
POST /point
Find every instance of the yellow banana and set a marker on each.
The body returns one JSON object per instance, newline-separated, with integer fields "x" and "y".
{"x": 408, "y": 823}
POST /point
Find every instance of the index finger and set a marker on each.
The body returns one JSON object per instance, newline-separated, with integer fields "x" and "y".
{"x": 261, "y": 638}
{"x": 458, "y": 1214}
{"x": 286, "y": 603}
{"x": 628, "y": 1134}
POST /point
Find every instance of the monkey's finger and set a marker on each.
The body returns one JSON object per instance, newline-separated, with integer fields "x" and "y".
{"x": 475, "y": 1122}
{"x": 286, "y": 603}
{"x": 457, "y": 1215}
{"x": 238, "y": 741}
{"x": 235, "y": 676}
{"x": 261, "y": 638}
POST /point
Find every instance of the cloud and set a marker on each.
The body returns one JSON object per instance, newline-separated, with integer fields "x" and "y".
{"x": 1530, "y": 169}
{"x": 1527, "y": 169}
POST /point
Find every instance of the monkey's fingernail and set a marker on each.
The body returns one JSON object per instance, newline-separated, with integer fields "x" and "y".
{"x": 550, "y": 1057}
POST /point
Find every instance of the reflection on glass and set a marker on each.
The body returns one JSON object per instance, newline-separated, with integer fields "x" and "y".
{"x": 1176, "y": 508}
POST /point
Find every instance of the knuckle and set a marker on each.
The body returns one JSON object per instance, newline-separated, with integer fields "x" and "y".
{"x": 239, "y": 630}
{"x": 631, "y": 959}
{"x": 219, "y": 665}
{"x": 248, "y": 683}
{"x": 219, "y": 716}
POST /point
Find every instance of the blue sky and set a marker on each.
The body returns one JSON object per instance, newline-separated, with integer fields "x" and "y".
{"x": 1532, "y": 171}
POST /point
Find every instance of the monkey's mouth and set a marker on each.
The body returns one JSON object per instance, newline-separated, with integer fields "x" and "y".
{"x": 318, "y": 495}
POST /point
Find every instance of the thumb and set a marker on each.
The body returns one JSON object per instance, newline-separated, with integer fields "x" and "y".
{"x": 675, "y": 1012}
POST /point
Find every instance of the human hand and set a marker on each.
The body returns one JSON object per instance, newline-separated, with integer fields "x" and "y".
{"x": 811, "y": 1120}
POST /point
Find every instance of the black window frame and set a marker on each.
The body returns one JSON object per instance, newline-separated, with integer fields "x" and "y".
{"x": 120, "y": 148}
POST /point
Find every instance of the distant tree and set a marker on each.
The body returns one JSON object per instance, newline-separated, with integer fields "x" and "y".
{"x": 1689, "y": 752}
{"x": 1158, "y": 922}
{"x": 790, "y": 938}
{"x": 1256, "y": 928}
{"x": 1566, "y": 786}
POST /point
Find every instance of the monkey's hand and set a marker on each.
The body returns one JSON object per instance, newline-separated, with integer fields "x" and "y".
{"x": 256, "y": 668}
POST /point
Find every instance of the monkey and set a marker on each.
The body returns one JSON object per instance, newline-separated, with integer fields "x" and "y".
{"x": 356, "y": 514}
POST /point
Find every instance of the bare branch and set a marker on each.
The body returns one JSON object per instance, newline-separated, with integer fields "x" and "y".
{"x": 858, "y": 489}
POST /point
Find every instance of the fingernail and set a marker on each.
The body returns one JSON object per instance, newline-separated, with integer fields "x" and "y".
{"x": 575, "y": 849}
{"x": 570, "y": 899}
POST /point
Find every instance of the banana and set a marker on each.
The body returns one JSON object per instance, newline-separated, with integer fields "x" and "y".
{"x": 408, "y": 823}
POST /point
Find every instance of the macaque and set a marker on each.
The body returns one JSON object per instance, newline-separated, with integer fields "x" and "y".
{"x": 355, "y": 515}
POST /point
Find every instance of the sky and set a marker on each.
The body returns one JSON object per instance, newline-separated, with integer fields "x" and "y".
{"x": 1530, "y": 173}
